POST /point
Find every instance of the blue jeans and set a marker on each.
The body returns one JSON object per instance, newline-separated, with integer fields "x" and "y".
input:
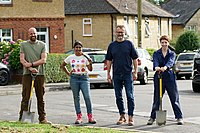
{"x": 77, "y": 83}
{"x": 127, "y": 81}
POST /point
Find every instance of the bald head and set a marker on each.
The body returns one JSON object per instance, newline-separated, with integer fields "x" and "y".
{"x": 32, "y": 34}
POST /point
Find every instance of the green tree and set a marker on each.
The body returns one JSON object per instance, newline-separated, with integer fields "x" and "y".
{"x": 189, "y": 40}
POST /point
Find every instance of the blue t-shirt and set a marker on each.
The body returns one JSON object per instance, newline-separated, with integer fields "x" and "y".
{"x": 122, "y": 55}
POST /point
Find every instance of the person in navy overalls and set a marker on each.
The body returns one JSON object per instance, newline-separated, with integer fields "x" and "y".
{"x": 163, "y": 61}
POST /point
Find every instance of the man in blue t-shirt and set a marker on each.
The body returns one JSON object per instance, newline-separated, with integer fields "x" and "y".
{"x": 122, "y": 55}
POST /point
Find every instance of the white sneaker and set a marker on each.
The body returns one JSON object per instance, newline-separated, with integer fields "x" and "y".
{"x": 180, "y": 121}
{"x": 150, "y": 121}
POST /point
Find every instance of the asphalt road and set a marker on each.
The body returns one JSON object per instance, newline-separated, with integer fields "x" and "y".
{"x": 60, "y": 108}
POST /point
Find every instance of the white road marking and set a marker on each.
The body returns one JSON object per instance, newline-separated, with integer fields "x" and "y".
{"x": 194, "y": 120}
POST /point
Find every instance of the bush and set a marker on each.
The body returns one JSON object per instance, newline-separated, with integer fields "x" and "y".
{"x": 53, "y": 72}
{"x": 151, "y": 51}
{"x": 14, "y": 59}
{"x": 9, "y": 54}
{"x": 189, "y": 40}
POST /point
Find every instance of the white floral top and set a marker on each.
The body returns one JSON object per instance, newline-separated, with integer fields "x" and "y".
{"x": 78, "y": 63}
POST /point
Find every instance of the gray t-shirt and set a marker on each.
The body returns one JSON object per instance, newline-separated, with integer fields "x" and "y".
{"x": 32, "y": 53}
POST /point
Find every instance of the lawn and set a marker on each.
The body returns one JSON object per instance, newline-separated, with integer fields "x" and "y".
{"x": 18, "y": 127}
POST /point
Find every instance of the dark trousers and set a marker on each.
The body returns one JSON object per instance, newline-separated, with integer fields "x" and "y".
{"x": 39, "y": 92}
{"x": 169, "y": 84}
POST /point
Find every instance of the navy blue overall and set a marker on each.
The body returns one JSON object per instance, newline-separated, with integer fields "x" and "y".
{"x": 169, "y": 82}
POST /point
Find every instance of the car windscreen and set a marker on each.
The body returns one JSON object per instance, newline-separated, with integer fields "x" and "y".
{"x": 84, "y": 50}
{"x": 97, "y": 58}
{"x": 187, "y": 57}
{"x": 140, "y": 55}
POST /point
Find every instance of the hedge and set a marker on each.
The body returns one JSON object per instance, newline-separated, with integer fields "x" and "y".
{"x": 53, "y": 72}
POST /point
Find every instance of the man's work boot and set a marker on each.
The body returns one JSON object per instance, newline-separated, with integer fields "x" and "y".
{"x": 45, "y": 121}
{"x": 122, "y": 119}
{"x": 130, "y": 120}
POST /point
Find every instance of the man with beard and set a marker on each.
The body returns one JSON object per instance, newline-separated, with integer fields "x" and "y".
{"x": 123, "y": 55}
{"x": 33, "y": 56}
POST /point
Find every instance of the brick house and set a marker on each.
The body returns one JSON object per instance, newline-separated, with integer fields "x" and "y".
{"x": 187, "y": 15}
{"x": 17, "y": 16}
{"x": 93, "y": 22}
{"x": 60, "y": 22}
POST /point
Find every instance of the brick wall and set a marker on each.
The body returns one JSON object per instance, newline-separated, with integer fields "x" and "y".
{"x": 20, "y": 28}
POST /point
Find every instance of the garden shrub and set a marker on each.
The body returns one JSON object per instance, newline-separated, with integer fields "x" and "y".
{"x": 14, "y": 59}
{"x": 151, "y": 51}
{"x": 189, "y": 40}
{"x": 53, "y": 72}
{"x": 9, "y": 54}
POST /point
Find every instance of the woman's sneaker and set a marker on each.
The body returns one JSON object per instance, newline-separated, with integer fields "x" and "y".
{"x": 78, "y": 119}
{"x": 91, "y": 120}
{"x": 150, "y": 121}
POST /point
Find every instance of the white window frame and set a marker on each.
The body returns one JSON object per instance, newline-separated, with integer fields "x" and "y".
{"x": 5, "y": 2}
{"x": 88, "y": 22}
{"x": 46, "y": 34}
{"x": 136, "y": 26}
{"x": 5, "y": 37}
{"x": 147, "y": 29}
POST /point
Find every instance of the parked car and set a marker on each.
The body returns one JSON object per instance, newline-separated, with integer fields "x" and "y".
{"x": 145, "y": 66}
{"x": 84, "y": 50}
{"x": 98, "y": 75}
{"x": 184, "y": 65}
{"x": 4, "y": 74}
{"x": 196, "y": 75}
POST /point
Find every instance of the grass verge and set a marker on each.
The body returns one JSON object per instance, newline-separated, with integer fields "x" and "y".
{"x": 18, "y": 127}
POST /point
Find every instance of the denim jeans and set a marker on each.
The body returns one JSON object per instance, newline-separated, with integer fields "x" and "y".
{"x": 127, "y": 81}
{"x": 77, "y": 83}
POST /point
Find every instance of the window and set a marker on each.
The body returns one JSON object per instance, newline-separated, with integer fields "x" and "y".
{"x": 147, "y": 29}
{"x": 126, "y": 25}
{"x": 43, "y": 35}
{"x": 136, "y": 26}
{"x": 87, "y": 27}
{"x": 5, "y": 35}
{"x": 186, "y": 57}
{"x": 191, "y": 27}
{"x": 5, "y": 1}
